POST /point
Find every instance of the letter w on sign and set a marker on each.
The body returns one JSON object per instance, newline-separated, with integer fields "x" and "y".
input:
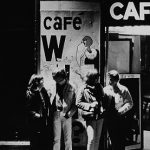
{"x": 53, "y": 45}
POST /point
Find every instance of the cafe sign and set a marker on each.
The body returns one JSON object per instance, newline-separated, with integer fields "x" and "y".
{"x": 127, "y": 13}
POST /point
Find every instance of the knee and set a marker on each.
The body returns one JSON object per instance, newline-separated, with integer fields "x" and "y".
{"x": 68, "y": 142}
{"x": 56, "y": 139}
{"x": 91, "y": 141}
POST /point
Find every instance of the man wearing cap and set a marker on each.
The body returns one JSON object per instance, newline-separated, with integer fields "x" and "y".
{"x": 63, "y": 108}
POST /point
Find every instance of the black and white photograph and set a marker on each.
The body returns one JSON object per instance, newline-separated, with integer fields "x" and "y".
{"x": 75, "y": 75}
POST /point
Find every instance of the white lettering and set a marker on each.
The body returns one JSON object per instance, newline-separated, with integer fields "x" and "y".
{"x": 131, "y": 12}
{"x": 143, "y": 11}
{"x": 116, "y": 17}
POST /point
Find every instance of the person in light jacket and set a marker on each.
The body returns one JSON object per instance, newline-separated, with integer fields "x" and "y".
{"x": 118, "y": 103}
{"x": 89, "y": 101}
{"x": 64, "y": 107}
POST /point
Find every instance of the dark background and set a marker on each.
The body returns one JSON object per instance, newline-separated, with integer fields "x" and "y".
{"x": 17, "y": 64}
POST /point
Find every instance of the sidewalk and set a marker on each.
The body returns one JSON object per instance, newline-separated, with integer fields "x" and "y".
{"x": 25, "y": 145}
{"x": 146, "y": 140}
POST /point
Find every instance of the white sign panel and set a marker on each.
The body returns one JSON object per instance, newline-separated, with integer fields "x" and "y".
{"x": 63, "y": 26}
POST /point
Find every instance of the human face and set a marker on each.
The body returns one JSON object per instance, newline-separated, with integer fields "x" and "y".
{"x": 112, "y": 82}
{"x": 38, "y": 84}
{"x": 41, "y": 82}
{"x": 85, "y": 43}
{"x": 60, "y": 81}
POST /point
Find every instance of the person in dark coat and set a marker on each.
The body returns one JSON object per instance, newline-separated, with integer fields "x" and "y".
{"x": 38, "y": 106}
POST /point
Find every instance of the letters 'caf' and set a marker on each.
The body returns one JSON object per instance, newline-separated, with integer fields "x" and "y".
{"x": 116, "y": 11}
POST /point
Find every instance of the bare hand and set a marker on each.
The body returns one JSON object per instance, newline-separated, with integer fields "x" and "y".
{"x": 37, "y": 115}
{"x": 94, "y": 104}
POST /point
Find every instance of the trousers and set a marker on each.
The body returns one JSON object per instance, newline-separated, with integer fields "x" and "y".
{"x": 94, "y": 130}
{"x": 62, "y": 124}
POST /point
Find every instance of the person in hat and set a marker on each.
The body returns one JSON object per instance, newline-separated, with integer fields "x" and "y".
{"x": 64, "y": 107}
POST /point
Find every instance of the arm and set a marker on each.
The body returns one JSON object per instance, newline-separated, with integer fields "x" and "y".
{"x": 106, "y": 99}
{"x": 101, "y": 99}
{"x": 128, "y": 102}
{"x": 81, "y": 102}
{"x": 79, "y": 55}
{"x": 73, "y": 107}
{"x": 31, "y": 112}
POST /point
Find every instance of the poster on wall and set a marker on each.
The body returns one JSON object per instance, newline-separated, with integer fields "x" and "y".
{"x": 64, "y": 28}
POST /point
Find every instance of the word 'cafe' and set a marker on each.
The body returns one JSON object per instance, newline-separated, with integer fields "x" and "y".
{"x": 61, "y": 23}
{"x": 128, "y": 12}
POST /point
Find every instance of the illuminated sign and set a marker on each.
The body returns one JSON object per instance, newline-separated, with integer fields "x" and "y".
{"x": 126, "y": 13}
{"x": 130, "y": 11}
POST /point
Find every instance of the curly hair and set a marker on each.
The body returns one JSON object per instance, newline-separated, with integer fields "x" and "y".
{"x": 59, "y": 73}
{"x": 90, "y": 76}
